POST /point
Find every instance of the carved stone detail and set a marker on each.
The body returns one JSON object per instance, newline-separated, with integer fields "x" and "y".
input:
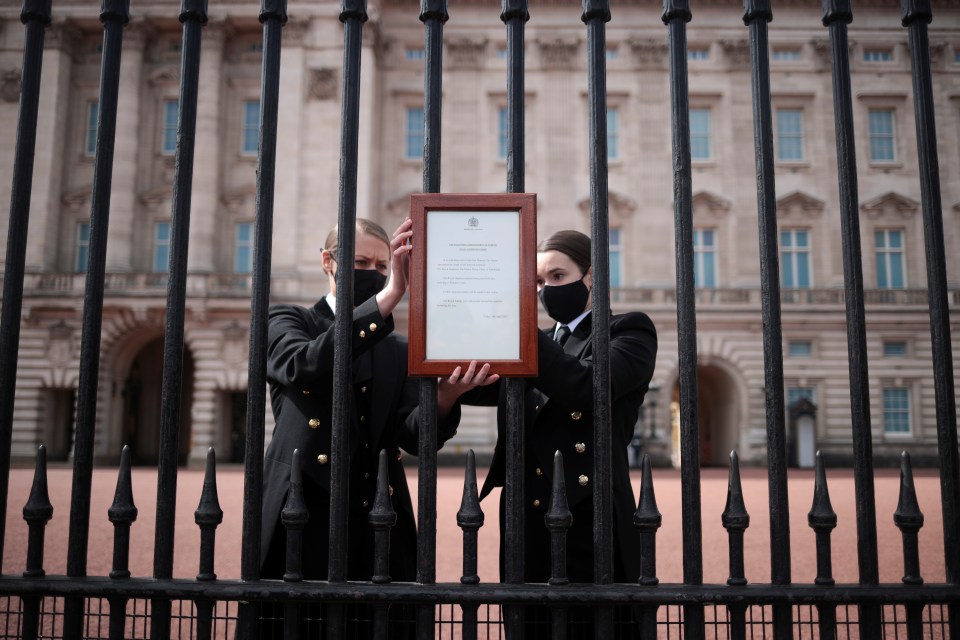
{"x": 164, "y": 76}
{"x": 619, "y": 206}
{"x": 466, "y": 52}
{"x": 75, "y": 201}
{"x": 707, "y": 203}
{"x": 60, "y": 347}
{"x": 233, "y": 348}
{"x": 322, "y": 84}
{"x": 889, "y": 205}
{"x": 558, "y": 53}
{"x": 799, "y": 204}
{"x": 821, "y": 52}
{"x": 737, "y": 53}
{"x": 10, "y": 85}
{"x": 154, "y": 199}
{"x": 649, "y": 53}
{"x": 62, "y": 35}
{"x": 295, "y": 32}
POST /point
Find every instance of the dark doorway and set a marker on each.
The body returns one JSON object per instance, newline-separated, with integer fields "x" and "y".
{"x": 58, "y": 426}
{"x": 141, "y": 405}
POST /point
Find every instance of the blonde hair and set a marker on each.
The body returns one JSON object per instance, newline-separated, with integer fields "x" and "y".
{"x": 364, "y": 226}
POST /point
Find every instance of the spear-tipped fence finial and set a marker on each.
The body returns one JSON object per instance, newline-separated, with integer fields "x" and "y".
{"x": 909, "y": 519}
{"x": 822, "y": 520}
{"x": 37, "y": 512}
{"x": 647, "y": 520}
{"x": 208, "y": 517}
{"x": 382, "y": 518}
{"x": 735, "y": 520}
{"x": 122, "y": 513}
{"x": 558, "y": 520}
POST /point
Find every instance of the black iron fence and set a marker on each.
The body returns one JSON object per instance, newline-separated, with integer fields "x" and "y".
{"x": 120, "y": 605}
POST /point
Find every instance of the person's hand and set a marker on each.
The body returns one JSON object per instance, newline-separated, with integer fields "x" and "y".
{"x": 459, "y": 382}
{"x": 399, "y": 276}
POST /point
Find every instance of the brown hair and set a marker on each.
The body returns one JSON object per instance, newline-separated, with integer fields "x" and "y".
{"x": 364, "y": 226}
{"x": 573, "y": 244}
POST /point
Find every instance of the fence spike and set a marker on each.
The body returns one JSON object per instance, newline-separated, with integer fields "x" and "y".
{"x": 122, "y": 513}
{"x": 294, "y": 516}
{"x": 647, "y": 520}
{"x": 208, "y": 516}
{"x": 909, "y": 519}
{"x": 37, "y": 512}
{"x": 470, "y": 516}
{"x": 558, "y": 520}
{"x": 822, "y": 520}
{"x": 193, "y": 10}
{"x": 735, "y": 516}
{"x": 382, "y": 518}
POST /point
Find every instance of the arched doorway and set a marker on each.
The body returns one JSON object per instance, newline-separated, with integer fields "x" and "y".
{"x": 718, "y": 414}
{"x": 141, "y": 405}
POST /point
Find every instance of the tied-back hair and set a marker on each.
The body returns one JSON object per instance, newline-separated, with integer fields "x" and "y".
{"x": 364, "y": 226}
{"x": 573, "y": 244}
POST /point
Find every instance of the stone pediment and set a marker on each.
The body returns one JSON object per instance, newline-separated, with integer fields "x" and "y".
{"x": 243, "y": 198}
{"x": 620, "y": 206}
{"x": 799, "y": 204}
{"x": 709, "y": 203}
{"x": 155, "y": 198}
{"x": 890, "y": 204}
{"x": 77, "y": 199}
{"x": 164, "y": 76}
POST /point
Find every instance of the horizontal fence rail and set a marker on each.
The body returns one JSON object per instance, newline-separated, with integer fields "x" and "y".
{"x": 34, "y": 604}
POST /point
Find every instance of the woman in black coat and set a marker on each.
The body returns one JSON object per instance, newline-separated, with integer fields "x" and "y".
{"x": 384, "y": 416}
{"x": 559, "y": 417}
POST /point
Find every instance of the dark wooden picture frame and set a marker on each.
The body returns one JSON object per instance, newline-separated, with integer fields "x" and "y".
{"x": 422, "y": 205}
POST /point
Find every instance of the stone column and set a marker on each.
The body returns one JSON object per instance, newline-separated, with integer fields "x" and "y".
{"x": 123, "y": 199}
{"x": 206, "y": 162}
{"x": 368, "y": 179}
{"x": 51, "y": 148}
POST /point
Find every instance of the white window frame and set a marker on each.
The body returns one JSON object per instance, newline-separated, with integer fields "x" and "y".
{"x": 882, "y": 256}
{"x": 613, "y": 133}
{"x": 616, "y": 256}
{"x": 791, "y": 254}
{"x": 701, "y": 252}
{"x": 704, "y": 135}
{"x": 160, "y": 244}
{"x": 168, "y": 130}
{"x": 877, "y": 136}
{"x": 239, "y": 243}
{"x": 797, "y": 135}
{"x": 90, "y": 131}
{"x": 411, "y": 137}
{"x": 503, "y": 128}
{"x": 247, "y": 127}
{"x": 801, "y": 344}
{"x": 82, "y": 257}
{"x": 900, "y": 412}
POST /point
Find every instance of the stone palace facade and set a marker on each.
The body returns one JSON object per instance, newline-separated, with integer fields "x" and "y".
{"x": 730, "y": 355}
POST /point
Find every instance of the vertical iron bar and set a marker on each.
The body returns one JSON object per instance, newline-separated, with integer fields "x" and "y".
{"x": 353, "y": 13}
{"x": 916, "y": 16}
{"x": 114, "y": 15}
{"x": 382, "y": 519}
{"x": 294, "y": 516}
{"x": 433, "y": 15}
{"x": 193, "y": 15}
{"x": 837, "y": 14}
{"x": 909, "y": 519}
{"x": 35, "y": 15}
{"x": 122, "y": 513}
{"x": 37, "y": 512}
{"x": 647, "y": 520}
{"x": 273, "y": 15}
{"x": 558, "y": 520}
{"x": 515, "y": 14}
{"x": 757, "y": 15}
{"x": 470, "y": 519}
{"x": 823, "y": 520}
{"x": 596, "y": 13}
{"x": 676, "y": 13}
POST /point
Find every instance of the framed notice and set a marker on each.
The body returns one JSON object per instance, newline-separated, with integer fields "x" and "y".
{"x": 473, "y": 283}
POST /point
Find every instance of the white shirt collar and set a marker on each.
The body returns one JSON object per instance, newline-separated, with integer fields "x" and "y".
{"x": 331, "y": 301}
{"x": 572, "y": 325}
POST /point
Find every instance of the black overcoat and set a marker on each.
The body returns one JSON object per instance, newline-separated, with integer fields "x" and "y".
{"x": 384, "y": 416}
{"x": 559, "y": 417}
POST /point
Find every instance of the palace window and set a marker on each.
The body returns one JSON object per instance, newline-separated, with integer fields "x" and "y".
{"x": 616, "y": 257}
{"x": 700, "y": 134}
{"x": 613, "y": 133}
{"x": 896, "y": 410}
{"x": 502, "y": 126}
{"x": 795, "y": 258}
{"x": 243, "y": 248}
{"x": 705, "y": 258}
{"x": 789, "y": 135}
{"x": 881, "y": 128}
{"x": 251, "y": 127}
{"x": 83, "y": 247}
{"x": 413, "y": 148}
{"x": 161, "y": 246}
{"x": 90, "y": 138}
{"x": 168, "y": 144}
{"x": 889, "y": 254}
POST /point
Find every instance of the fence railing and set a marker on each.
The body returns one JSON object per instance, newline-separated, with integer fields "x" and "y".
{"x": 911, "y": 604}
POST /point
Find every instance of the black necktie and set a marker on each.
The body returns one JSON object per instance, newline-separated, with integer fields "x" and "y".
{"x": 562, "y": 334}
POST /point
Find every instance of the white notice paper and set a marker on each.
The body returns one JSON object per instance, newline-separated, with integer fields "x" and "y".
{"x": 473, "y": 285}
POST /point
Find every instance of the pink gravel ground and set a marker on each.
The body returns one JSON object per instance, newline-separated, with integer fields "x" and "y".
{"x": 449, "y": 540}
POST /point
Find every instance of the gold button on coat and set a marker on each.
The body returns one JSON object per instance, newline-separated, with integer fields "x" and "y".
{"x": 373, "y": 326}
{"x": 539, "y": 471}
{"x": 576, "y": 415}
{"x": 536, "y": 503}
{"x": 390, "y": 489}
{"x": 306, "y": 392}
{"x": 363, "y": 334}
{"x": 363, "y": 389}
{"x": 580, "y": 447}
{"x": 314, "y": 423}
{"x": 363, "y": 418}
{"x": 323, "y": 458}
{"x": 583, "y": 480}
{"x": 366, "y": 504}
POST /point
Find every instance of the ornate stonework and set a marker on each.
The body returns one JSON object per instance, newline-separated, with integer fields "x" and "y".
{"x": 737, "y": 53}
{"x": 558, "y": 53}
{"x": 466, "y": 52}
{"x": 60, "y": 345}
{"x": 708, "y": 203}
{"x": 798, "y": 204}
{"x": 649, "y": 53}
{"x": 322, "y": 84}
{"x": 10, "y": 85}
{"x": 889, "y": 205}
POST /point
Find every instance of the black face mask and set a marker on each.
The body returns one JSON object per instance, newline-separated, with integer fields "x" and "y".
{"x": 565, "y": 302}
{"x": 366, "y": 284}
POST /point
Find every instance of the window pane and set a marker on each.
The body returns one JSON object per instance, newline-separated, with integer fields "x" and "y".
{"x": 93, "y": 113}
{"x": 881, "y": 135}
{"x": 700, "y": 134}
{"x": 83, "y": 246}
{"x": 251, "y": 127}
{"x": 786, "y": 270}
{"x": 414, "y": 133}
{"x": 803, "y": 271}
{"x": 170, "y": 115}
{"x": 799, "y": 393}
{"x": 800, "y": 348}
{"x": 896, "y": 270}
{"x": 789, "y": 134}
{"x": 161, "y": 246}
{"x": 613, "y": 125}
{"x": 896, "y": 349}
{"x": 502, "y": 132}
{"x": 896, "y": 410}
{"x": 243, "y": 248}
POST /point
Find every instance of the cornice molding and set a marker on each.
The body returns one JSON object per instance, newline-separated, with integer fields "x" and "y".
{"x": 890, "y": 204}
